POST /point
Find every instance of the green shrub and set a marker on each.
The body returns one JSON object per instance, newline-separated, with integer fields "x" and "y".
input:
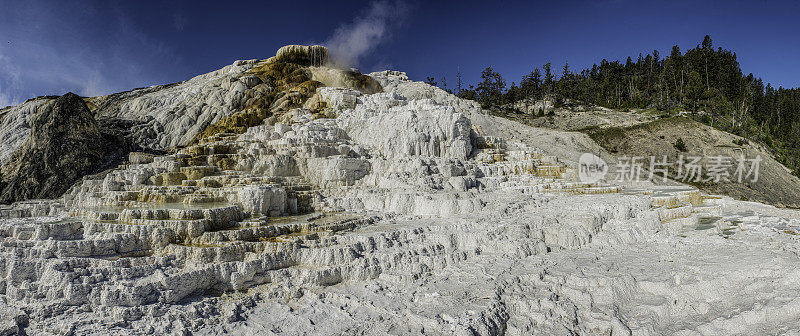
{"x": 680, "y": 145}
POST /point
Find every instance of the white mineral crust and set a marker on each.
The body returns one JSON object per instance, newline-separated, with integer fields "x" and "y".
{"x": 411, "y": 212}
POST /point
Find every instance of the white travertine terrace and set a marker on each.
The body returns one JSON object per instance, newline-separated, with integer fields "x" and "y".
{"x": 410, "y": 212}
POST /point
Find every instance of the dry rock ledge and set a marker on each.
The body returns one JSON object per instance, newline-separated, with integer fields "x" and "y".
{"x": 288, "y": 197}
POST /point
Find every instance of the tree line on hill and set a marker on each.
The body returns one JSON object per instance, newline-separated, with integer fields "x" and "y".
{"x": 706, "y": 81}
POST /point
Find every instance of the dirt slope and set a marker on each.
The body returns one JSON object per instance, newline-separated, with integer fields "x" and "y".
{"x": 775, "y": 185}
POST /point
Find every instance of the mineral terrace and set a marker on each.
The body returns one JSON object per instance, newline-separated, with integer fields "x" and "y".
{"x": 284, "y": 196}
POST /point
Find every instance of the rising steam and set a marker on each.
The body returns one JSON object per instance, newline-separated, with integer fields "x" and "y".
{"x": 350, "y": 42}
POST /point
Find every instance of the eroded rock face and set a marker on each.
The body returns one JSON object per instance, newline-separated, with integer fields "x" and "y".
{"x": 408, "y": 211}
{"x": 172, "y": 115}
{"x": 65, "y": 143}
{"x": 15, "y": 125}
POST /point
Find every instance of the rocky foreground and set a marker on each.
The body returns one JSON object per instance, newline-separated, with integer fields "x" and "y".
{"x": 287, "y": 197}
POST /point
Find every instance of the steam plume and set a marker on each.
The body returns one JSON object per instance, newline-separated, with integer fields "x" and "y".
{"x": 350, "y": 42}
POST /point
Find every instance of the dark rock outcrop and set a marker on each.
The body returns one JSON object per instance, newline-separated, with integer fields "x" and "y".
{"x": 66, "y": 143}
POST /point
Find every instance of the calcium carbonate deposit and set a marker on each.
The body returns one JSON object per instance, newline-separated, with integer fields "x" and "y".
{"x": 287, "y": 197}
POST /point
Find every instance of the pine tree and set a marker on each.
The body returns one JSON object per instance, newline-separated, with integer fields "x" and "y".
{"x": 549, "y": 79}
{"x": 490, "y": 89}
{"x": 707, "y": 48}
{"x": 531, "y": 84}
{"x": 458, "y": 82}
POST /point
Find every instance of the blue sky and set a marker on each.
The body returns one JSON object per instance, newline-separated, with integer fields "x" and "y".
{"x": 99, "y": 47}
